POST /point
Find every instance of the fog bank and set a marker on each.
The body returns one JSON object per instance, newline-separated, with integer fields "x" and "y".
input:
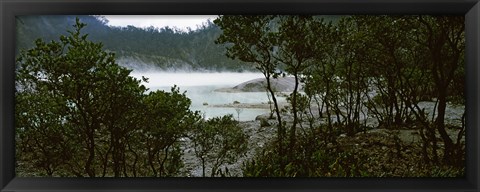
{"x": 181, "y": 79}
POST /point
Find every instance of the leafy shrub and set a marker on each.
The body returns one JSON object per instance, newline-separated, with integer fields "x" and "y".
{"x": 218, "y": 141}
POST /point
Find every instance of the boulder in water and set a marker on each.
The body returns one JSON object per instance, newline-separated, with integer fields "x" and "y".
{"x": 281, "y": 84}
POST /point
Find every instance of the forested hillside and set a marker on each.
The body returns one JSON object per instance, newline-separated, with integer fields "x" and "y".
{"x": 138, "y": 48}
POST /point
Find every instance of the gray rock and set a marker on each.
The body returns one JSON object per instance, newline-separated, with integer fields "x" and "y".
{"x": 281, "y": 84}
{"x": 263, "y": 120}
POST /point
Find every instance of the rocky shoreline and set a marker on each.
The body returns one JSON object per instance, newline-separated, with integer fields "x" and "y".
{"x": 250, "y": 105}
{"x": 259, "y": 134}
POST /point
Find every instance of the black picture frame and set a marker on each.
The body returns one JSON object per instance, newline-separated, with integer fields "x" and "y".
{"x": 9, "y": 9}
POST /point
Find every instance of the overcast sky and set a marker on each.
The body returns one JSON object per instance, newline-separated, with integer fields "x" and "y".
{"x": 160, "y": 21}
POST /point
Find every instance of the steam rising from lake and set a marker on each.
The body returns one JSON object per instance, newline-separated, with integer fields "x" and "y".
{"x": 182, "y": 79}
{"x": 200, "y": 88}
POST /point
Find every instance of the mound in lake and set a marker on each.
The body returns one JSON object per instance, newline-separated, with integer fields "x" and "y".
{"x": 281, "y": 84}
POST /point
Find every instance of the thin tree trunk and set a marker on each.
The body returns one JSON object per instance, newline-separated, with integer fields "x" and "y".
{"x": 448, "y": 143}
{"x": 295, "y": 115}
{"x": 280, "y": 130}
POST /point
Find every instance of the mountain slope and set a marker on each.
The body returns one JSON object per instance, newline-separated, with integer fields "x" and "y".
{"x": 137, "y": 48}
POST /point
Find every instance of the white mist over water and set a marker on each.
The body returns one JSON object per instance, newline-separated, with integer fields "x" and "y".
{"x": 200, "y": 88}
{"x": 181, "y": 79}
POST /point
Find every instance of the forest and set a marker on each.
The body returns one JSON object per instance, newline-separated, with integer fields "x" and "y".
{"x": 361, "y": 83}
{"x": 166, "y": 48}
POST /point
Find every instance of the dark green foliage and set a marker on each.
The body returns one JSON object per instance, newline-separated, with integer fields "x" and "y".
{"x": 93, "y": 93}
{"x": 73, "y": 101}
{"x": 313, "y": 158}
{"x": 252, "y": 39}
{"x": 219, "y": 141}
{"x": 294, "y": 39}
{"x": 354, "y": 68}
{"x": 166, "y": 119}
{"x": 165, "y": 48}
{"x": 80, "y": 114}
{"x": 365, "y": 155}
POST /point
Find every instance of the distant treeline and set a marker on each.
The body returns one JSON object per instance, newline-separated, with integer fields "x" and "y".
{"x": 166, "y": 48}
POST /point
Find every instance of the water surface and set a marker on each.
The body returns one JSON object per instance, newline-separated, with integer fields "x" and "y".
{"x": 200, "y": 88}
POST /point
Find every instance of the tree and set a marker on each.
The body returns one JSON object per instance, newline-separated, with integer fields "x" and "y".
{"x": 381, "y": 63}
{"x": 321, "y": 77}
{"x": 444, "y": 38}
{"x": 294, "y": 40}
{"x": 166, "y": 119}
{"x": 337, "y": 76}
{"x": 218, "y": 141}
{"x": 252, "y": 39}
{"x": 45, "y": 144}
{"x": 389, "y": 60}
{"x": 90, "y": 96}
